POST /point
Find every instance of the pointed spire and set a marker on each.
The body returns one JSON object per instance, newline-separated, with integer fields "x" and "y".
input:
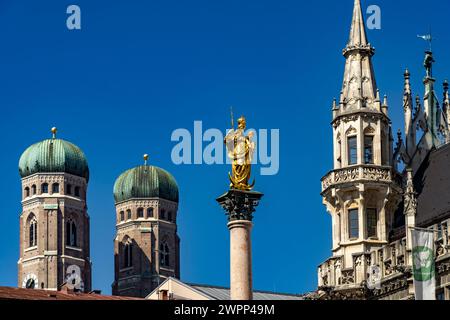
{"x": 359, "y": 89}
{"x": 358, "y": 30}
{"x": 385, "y": 101}
{"x": 407, "y": 76}
{"x": 446, "y": 103}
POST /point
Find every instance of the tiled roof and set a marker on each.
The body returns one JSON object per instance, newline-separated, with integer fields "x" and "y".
{"x": 7, "y": 293}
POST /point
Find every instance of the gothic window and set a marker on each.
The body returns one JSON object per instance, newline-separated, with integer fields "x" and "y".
{"x": 353, "y": 224}
{"x": 44, "y": 188}
{"x": 71, "y": 234}
{"x": 32, "y": 229}
{"x": 169, "y": 216}
{"x": 77, "y": 191}
{"x": 122, "y": 215}
{"x": 33, "y": 189}
{"x": 128, "y": 214}
{"x": 69, "y": 189}
{"x": 368, "y": 149}
{"x": 150, "y": 213}
{"x": 27, "y": 192}
{"x": 55, "y": 188}
{"x": 140, "y": 212}
{"x": 352, "y": 150}
{"x": 372, "y": 218}
{"x": 127, "y": 255}
{"x": 164, "y": 254}
{"x": 163, "y": 214}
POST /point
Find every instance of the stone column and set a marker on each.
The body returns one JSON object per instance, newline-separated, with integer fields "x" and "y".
{"x": 239, "y": 206}
{"x": 240, "y": 260}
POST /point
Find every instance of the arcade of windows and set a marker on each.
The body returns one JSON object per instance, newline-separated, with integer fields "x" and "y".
{"x": 352, "y": 147}
{"x": 141, "y": 213}
{"x": 28, "y": 192}
{"x": 371, "y": 223}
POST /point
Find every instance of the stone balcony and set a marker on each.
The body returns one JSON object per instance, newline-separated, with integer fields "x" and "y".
{"x": 359, "y": 173}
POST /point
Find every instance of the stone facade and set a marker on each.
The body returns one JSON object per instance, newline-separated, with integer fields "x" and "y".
{"x": 52, "y": 203}
{"x": 372, "y": 202}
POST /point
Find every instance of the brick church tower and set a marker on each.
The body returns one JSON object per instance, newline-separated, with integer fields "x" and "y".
{"x": 54, "y": 223}
{"x": 146, "y": 246}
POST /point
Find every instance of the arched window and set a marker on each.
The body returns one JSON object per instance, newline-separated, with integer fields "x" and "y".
{"x": 128, "y": 214}
{"x": 140, "y": 212}
{"x": 122, "y": 215}
{"x": 33, "y": 189}
{"x": 77, "y": 191}
{"x": 44, "y": 188}
{"x": 164, "y": 254}
{"x": 32, "y": 230}
{"x": 353, "y": 224}
{"x": 55, "y": 188}
{"x": 163, "y": 214}
{"x": 149, "y": 212}
{"x": 368, "y": 149}
{"x": 71, "y": 234}
{"x": 352, "y": 150}
{"x": 27, "y": 192}
{"x": 69, "y": 189}
{"x": 128, "y": 254}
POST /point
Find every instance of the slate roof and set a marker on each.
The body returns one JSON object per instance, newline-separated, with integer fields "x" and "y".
{"x": 432, "y": 184}
{"x": 222, "y": 293}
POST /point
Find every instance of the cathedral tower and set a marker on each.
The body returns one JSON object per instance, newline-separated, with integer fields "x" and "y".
{"x": 361, "y": 192}
{"x": 146, "y": 246}
{"x": 54, "y": 223}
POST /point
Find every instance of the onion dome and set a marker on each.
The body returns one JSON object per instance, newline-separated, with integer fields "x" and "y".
{"x": 53, "y": 156}
{"x": 145, "y": 182}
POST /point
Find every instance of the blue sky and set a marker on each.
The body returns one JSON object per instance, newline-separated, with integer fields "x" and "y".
{"x": 139, "y": 70}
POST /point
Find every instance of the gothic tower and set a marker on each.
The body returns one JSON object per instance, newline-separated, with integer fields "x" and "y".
{"x": 362, "y": 191}
{"x": 54, "y": 223}
{"x": 146, "y": 246}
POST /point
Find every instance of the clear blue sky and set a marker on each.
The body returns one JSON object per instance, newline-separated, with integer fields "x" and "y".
{"x": 140, "y": 69}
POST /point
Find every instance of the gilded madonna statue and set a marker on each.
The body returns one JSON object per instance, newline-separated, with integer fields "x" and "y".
{"x": 240, "y": 150}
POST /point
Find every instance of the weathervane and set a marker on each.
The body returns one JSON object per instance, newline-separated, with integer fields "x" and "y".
{"x": 427, "y": 37}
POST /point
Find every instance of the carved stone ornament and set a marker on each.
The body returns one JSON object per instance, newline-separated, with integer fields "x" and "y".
{"x": 239, "y": 204}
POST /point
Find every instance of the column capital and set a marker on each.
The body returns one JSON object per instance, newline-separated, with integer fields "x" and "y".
{"x": 239, "y": 205}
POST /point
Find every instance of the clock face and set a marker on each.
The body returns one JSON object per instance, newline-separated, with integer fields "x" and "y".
{"x": 30, "y": 281}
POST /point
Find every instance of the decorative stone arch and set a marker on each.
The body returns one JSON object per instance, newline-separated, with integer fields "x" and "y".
{"x": 369, "y": 130}
{"x": 351, "y": 131}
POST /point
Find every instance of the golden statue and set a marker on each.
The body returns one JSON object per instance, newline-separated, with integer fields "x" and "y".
{"x": 240, "y": 150}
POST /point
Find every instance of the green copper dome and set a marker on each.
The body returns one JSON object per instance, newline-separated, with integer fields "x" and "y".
{"x": 53, "y": 156}
{"x": 145, "y": 182}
